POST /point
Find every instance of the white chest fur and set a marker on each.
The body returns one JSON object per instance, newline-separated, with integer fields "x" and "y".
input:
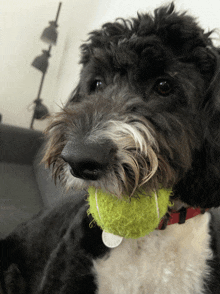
{"x": 168, "y": 262}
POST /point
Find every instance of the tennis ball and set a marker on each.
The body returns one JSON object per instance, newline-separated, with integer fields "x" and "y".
{"x": 132, "y": 217}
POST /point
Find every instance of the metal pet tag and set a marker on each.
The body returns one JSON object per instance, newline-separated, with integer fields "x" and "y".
{"x": 111, "y": 240}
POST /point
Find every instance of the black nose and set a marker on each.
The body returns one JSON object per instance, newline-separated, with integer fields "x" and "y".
{"x": 88, "y": 161}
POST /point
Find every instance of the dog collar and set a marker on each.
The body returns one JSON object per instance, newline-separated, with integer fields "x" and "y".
{"x": 180, "y": 216}
{"x": 112, "y": 241}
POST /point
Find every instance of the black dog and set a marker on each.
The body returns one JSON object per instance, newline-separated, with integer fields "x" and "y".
{"x": 146, "y": 114}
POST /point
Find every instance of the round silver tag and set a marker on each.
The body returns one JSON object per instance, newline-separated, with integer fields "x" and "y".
{"x": 111, "y": 240}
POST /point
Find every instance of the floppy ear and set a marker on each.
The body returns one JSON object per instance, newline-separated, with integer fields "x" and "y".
{"x": 201, "y": 185}
{"x": 212, "y": 107}
{"x": 212, "y": 131}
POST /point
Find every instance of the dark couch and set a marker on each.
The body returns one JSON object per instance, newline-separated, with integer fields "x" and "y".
{"x": 25, "y": 185}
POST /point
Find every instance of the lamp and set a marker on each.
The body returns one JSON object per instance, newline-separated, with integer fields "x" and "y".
{"x": 41, "y": 63}
{"x": 49, "y": 34}
{"x": 40, "y": 110}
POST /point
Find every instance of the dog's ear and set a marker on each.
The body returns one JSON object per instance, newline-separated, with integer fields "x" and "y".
{"x": 201, "y": 185}
{"x": 212, "y": 114}
{"x": 210, "y": 177}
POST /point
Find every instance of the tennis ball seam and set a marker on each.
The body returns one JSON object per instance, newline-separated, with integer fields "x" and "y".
{"x": 132, "y": 219}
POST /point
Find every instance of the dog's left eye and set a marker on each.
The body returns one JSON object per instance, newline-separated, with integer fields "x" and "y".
{"x": 163, "y": 87}
{"x": 97, "y": 85}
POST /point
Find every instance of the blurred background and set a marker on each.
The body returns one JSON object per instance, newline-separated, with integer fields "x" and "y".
{"x": 25, "y": 185}
{"x": 21, "y": 25}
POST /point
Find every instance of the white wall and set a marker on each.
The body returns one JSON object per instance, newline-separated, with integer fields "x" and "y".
{"x": 21, "y": 23}
{"x": 206, "y": 11}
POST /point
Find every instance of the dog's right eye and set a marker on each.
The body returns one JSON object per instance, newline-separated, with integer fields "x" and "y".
{"x": 97, "y": 85}
{"x": 163, "y": 87}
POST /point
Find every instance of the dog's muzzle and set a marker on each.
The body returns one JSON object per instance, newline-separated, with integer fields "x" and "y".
{"x": 88, "y": 161}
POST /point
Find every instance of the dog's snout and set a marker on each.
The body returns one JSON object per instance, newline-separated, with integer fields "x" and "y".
{"x": 88, "y": 170}
{"x": 88, "y": 161}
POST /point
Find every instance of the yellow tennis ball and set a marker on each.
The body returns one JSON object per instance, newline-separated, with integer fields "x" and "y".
{"x": 128, "y": 217}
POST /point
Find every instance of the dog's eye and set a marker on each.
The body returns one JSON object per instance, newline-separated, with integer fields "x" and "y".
{"x": 97, "y": 85}
{"x": 163, "y": 87}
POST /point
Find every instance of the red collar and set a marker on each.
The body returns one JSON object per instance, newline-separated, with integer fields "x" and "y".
{"x": 181, "y": 216}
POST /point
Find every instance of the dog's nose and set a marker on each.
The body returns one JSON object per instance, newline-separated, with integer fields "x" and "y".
{"x": 88, "y": 161}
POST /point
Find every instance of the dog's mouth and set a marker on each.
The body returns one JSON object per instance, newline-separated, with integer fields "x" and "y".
{"x": 121, "y": 171}
{"x": 98, "y": 165}
{"x": 114, "y": 156}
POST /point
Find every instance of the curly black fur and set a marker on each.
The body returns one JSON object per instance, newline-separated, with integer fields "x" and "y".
{"x": 136, "y": 55}
{"x": 159, "y": 71}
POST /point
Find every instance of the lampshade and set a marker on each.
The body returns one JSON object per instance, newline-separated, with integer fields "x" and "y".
{"x": 41, "y": 61}
{"x": 40, "y": 110}
{"x": 49, "y": 34}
